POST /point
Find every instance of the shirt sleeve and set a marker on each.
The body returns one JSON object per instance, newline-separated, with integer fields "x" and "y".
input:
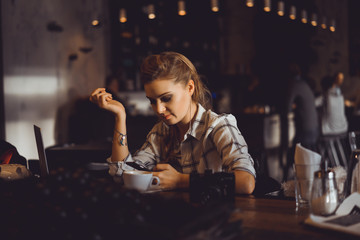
{"x": 232, "y": 147}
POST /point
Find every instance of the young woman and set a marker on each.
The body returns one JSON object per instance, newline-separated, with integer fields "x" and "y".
{"x": 189, "y": 137}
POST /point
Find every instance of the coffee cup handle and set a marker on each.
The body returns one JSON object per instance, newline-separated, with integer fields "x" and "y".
{"x": 157, "y": 182}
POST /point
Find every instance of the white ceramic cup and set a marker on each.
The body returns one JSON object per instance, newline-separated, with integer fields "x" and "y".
{"x": 140, "y": 180}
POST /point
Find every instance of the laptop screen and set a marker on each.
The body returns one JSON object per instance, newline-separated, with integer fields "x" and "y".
{"x": 44, "y": 171}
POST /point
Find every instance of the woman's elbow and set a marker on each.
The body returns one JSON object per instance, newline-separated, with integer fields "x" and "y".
{"x": 250, "y": 186}
{"x": 244, "y": 182}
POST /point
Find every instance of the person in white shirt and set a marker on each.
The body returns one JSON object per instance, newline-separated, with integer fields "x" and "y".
{"x": 332, "y": 107}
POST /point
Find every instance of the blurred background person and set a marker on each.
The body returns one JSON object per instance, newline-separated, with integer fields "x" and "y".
{"x": 300, "y": 100}
{"x": 331, "y": 105}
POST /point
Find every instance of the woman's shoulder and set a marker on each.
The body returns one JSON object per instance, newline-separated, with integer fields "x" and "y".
{"x": 214, "y": 119}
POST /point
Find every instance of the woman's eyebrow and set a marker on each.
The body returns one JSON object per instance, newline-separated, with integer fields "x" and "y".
{"x": 158, "y": 96}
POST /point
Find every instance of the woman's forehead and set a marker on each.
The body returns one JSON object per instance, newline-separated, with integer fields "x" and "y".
{"x": 159, "y": 87}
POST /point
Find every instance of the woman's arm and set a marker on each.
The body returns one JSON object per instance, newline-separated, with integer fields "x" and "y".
{"x": 105, "y": 101}
{"x": 244, "y": 182}
{"x": 120, "y": 149}
{"x": 233, "y": 149}
{"x": 171, "y": 179}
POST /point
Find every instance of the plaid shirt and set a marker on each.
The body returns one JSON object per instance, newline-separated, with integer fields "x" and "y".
{"x": 212, "y": 142}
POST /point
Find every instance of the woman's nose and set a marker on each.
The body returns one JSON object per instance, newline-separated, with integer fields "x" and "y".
{"x": 160, "y": 108}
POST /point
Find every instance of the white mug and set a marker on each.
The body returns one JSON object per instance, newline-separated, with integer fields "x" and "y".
{"x": 140, "y": 180}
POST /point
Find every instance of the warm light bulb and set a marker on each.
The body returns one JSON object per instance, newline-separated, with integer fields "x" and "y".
{"x": 314, "y": 19}
{"x": 181, "y": 8}
{"x": 95, "y": 22}
{"x": 267, "y": 5}
{"x": 304, "y": 16}
{"x": 151, "y": 11}
{"x": 214, "y": 5}
{"x": 281, "y": 7}
{"x": 250, "y": 3}
{"x": 292, "y": 14}
{"x": 332, "y": 26}
{"x": 122, "y": 15}
{"x": 323, "y": 23}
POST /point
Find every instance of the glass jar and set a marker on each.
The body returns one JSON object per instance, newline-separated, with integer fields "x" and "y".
{"x": 324, "y": 193}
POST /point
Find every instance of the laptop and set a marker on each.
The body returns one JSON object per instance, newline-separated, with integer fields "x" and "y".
{"x": 44, "y": 170}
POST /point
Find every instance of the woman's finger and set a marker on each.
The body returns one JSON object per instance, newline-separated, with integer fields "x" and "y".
{"x": 161, "y": 167}
{"x": 104, "y": 98}
{"x": 96, "y": 91}
{"x": 96, "y": 94}
{"x": 100, "y": 97}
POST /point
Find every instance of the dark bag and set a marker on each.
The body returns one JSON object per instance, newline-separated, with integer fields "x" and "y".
{"x": 9, "y": 154}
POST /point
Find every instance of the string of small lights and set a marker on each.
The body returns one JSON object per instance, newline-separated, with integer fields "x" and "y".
{"x": 294, "y": 12}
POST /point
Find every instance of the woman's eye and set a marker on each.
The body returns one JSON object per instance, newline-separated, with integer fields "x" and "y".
{"x": 152, "y": 101}
{"x": 166, "y": 99}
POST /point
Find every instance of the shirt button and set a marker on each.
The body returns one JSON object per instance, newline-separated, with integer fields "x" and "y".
{"x": 243, "y": 150}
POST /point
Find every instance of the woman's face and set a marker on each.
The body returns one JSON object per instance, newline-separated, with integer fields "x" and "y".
{"x": 169, "y": 100}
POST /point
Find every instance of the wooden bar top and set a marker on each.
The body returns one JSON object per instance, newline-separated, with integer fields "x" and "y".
{"x": 272, "y": 218}
{"x": 76, "y": 203}
{"x": 264, "y": 218}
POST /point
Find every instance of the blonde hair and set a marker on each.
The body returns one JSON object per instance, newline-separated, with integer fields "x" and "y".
{"x": 175, "y": 66}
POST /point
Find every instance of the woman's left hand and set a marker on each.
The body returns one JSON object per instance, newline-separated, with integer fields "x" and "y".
{"x": 169, "y": 177}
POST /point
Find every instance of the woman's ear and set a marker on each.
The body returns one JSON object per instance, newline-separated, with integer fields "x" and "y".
{"x": 191, "y": 87}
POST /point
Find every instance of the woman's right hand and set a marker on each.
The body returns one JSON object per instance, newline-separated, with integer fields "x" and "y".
{"x": 104, "y": 100}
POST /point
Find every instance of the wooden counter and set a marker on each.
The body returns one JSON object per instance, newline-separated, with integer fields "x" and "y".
{"x": 265, "y": 218}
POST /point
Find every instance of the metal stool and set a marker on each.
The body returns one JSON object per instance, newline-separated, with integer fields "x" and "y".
{"x": 331, "y": 146}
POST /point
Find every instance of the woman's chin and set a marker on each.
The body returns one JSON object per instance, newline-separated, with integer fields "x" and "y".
{"x": 169, "y": 122}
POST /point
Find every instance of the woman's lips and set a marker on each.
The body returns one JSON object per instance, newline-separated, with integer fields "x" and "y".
{"x": 166, "y": 117}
